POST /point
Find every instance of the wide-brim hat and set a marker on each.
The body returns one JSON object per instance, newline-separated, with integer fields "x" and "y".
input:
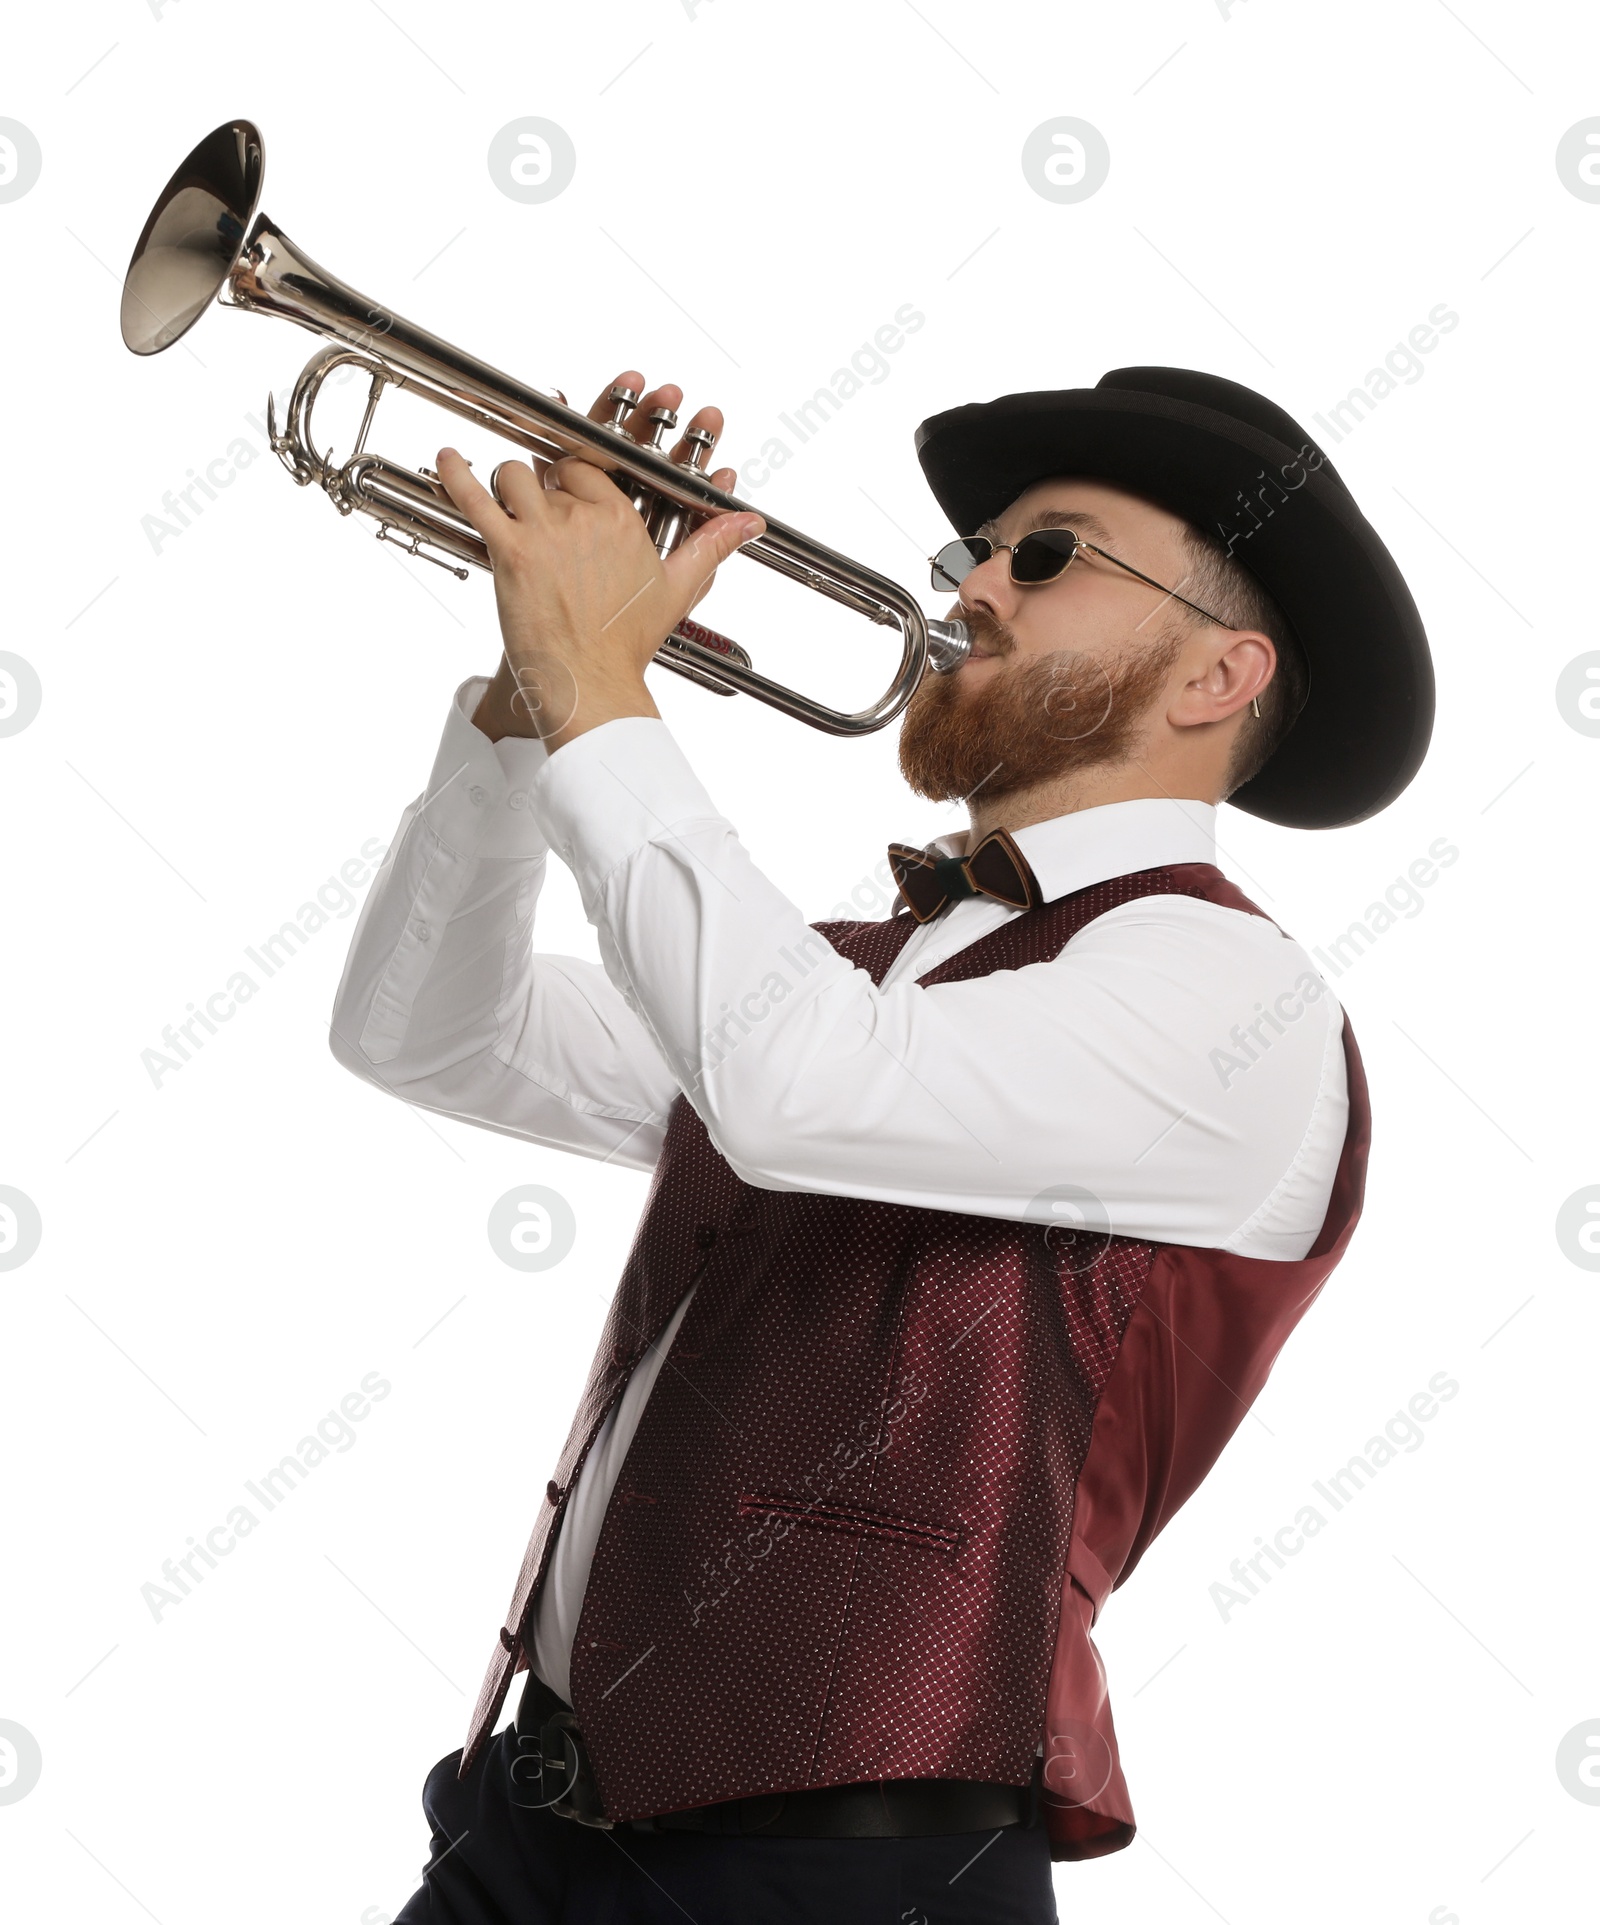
{"x": 1242, "y": 470}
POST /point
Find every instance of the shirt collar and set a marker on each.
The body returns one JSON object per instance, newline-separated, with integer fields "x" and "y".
{"x": 1071, "y": 852}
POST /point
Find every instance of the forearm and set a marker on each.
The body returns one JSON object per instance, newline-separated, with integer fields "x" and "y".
{"x": 498, "y": 713}
{"x": 983, "y": 1096}
{"x": 791, "y": 1056}
{"x": 545, "y": 705}
{"x": 444, "y": 1001}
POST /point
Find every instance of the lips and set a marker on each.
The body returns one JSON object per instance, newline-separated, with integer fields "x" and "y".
{"x": 985, "y": 644}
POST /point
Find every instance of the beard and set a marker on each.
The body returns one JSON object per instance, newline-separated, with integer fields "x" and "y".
{"x": 1039, "y": 717}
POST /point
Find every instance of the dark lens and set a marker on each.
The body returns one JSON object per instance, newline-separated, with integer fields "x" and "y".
{"x": 1041, "y": 556}
{"x": 957, "y": 559}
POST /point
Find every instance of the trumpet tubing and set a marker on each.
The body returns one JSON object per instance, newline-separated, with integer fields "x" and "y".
{"x": 205, "y": 241}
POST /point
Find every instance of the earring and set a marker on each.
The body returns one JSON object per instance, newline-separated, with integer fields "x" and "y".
{"x": 1255, "y": 708}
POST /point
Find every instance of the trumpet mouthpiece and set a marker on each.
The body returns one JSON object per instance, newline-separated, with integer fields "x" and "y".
{"x": 949, "y": 645}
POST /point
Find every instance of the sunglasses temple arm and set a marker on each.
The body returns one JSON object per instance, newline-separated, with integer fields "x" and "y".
{"x": 1150, "y": 582}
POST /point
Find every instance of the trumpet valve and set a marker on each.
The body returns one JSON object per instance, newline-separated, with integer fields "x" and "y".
{"x": 622, "y": 401}
{"x": 640, "y": 493}
{"x": 700, "y": 443}
{"x": 671, "y": 523}
{"x": 668, "y": 526}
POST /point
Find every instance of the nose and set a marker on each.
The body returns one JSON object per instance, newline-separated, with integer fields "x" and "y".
{"x": 990, "y": 588}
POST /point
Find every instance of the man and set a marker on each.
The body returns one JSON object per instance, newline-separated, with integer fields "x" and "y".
{"x": 973, "y": 1233}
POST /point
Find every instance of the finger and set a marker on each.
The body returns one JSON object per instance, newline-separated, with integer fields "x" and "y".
{"x": 724, "y": 478}
{"x": 575, "y": 476}
{"x": 520, "y": 489}
{"x": 708, "y": 419}
{"x": 470, "y": 496}
{"x": 639, "y": 424}
{"x": 629, "y": 378}
{"x": 689, "y": 568}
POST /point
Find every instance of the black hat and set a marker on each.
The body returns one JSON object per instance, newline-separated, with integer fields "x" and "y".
{"x": 1240, "y": 469}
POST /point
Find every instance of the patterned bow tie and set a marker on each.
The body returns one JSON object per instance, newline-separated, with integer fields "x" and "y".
{"x": 997, "y": 868}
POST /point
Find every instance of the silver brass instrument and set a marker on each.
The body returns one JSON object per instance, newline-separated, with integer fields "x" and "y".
{"x": 205, "y": 241}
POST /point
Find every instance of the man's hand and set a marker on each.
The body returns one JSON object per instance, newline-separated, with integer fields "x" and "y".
{"x": 584, "y": 600}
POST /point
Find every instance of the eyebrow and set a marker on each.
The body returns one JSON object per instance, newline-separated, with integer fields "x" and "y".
{"x": 1084, "y": 524}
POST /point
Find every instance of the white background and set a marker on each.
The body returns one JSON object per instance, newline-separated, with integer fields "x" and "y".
{"x": 226, "y": 720}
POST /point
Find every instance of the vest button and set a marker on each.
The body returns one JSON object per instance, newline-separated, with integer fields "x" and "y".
{"x": 507, "y": 1639}
{"x": 552, "y": 1490}
{"x": 706, "y": 1235}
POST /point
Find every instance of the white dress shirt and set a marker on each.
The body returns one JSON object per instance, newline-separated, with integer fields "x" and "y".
{"x": 1180, "y": 1061}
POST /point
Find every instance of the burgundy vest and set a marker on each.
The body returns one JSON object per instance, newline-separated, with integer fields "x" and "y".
{"x": 894, "y": 1462}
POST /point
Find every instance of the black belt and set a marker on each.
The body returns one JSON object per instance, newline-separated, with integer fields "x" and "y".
{"x": 549, "y": 1770}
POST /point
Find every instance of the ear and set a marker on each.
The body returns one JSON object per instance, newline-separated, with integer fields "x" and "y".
{"x": 1239, "y": 665}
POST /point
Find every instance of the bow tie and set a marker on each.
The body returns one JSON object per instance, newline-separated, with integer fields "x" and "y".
{"x": 997, "y": 868}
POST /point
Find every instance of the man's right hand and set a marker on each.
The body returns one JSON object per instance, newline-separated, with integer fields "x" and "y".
{"x": 500, "y": 712}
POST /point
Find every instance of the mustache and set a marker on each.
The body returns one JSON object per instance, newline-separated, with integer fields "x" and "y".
{"x": 988, "y": 632}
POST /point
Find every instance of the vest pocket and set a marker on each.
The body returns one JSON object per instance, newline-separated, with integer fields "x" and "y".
{"x": 783, "y": 1514}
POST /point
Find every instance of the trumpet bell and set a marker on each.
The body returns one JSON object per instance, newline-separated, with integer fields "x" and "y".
{"x": 193, "y": 237}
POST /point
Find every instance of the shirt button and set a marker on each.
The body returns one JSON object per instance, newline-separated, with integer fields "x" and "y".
{"x": 552, "y": 1490}
{"x": 518, "y": 799}
{"x": 706, "y": 1235}
{"x": 421, "y": 931}
{"x": 477, "y": 796}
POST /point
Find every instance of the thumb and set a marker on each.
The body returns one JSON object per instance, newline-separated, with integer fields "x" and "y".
{"x": 690, "y": 567}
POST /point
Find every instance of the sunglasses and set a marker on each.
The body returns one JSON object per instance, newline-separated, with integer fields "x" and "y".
{"x": 1039, "y": 557}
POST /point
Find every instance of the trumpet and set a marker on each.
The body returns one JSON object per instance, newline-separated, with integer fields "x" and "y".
{"x": 206, "y": 241}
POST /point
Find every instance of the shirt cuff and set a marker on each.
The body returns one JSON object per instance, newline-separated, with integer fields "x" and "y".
{"x": 609, "y": 792}
{"x": 478, "y": 796}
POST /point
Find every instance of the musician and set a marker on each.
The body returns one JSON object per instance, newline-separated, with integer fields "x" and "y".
{"x": 973, "y": 1233}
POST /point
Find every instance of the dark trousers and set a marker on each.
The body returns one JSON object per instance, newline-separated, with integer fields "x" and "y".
{"x": 496, "y": 1862}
